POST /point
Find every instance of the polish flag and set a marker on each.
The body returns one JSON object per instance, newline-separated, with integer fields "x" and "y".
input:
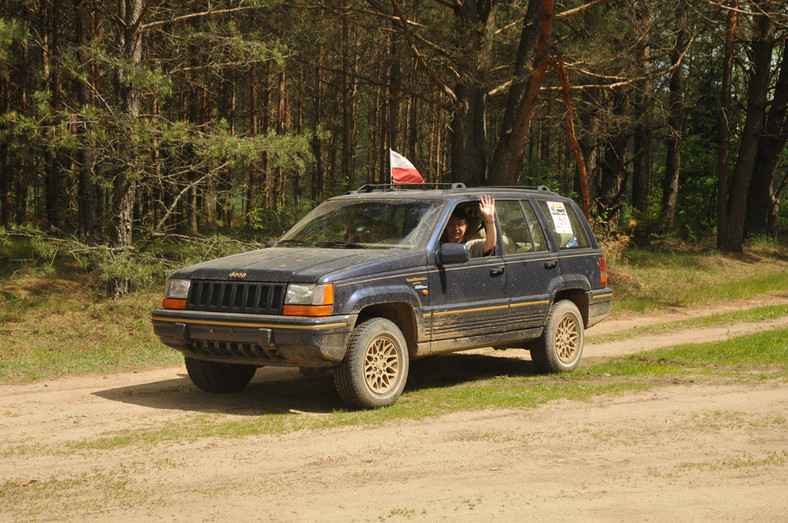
{"x": 402, "y": 171}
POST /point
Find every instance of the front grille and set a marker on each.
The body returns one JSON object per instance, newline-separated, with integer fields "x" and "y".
{"x": 231, "y": 296}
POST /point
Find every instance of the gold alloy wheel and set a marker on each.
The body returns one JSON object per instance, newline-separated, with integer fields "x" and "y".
{"x": 567, "y": 337}
{"x": 381, "y": 365}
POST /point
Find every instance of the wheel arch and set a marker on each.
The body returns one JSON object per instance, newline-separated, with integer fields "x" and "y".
{"x": 577, "y": 296}
{"x": 399, "y": 313}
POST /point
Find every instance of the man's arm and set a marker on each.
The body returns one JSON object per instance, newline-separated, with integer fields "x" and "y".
{"x": 487, "y": 210}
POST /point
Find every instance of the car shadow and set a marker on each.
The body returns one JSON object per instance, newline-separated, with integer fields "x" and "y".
{"x": 277, "y": 390}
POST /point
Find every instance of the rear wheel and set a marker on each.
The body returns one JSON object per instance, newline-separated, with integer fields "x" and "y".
{"x": 375, "y": 368}
{"x": 212, "y": 376}
{"x": 561, "y": 345}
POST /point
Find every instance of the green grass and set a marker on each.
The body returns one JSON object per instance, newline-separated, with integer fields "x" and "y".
{"x": 51, "y": 327}
{"x": 644, "y": 280}
{"x": 744, "y": 315}
{"x": 758, "y": 356}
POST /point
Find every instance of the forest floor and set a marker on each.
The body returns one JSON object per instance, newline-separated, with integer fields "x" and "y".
{"x": 711, "y": 449}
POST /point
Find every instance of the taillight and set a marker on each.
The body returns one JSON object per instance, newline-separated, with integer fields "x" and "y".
{"x": 603, "y": 270}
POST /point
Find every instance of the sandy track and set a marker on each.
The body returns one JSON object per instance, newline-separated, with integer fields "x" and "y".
{"x": 687, "y": 451}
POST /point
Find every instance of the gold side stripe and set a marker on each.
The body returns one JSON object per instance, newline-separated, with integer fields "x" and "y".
{"x": 540, "y": 302}
{"x": 494, "y": 307}
{"x": 252, "y": 325}
{"x": 607, "y": 295}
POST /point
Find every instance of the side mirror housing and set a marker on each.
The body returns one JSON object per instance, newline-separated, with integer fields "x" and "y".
{"x": 451, "y": 253}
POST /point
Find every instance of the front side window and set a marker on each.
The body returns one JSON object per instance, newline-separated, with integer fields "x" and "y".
{"x": 381, "y": 224}
{"x": 565, "y": 224}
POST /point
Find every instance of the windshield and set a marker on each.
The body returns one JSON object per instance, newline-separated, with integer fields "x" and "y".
{"x": 404, "y": 224}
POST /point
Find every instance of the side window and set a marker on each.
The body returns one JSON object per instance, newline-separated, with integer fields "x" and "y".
{"x": 520, "y": 232}
{"x": 565, "y": 224}
{"x": 514, "y": 230}
{"x": 533, "y": 226}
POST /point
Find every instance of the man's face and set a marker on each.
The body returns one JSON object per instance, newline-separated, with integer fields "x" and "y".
{"x": 456, "y": 229}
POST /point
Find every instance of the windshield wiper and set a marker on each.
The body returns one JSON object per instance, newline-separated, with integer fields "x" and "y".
{"x": 347, "y": 245}
{"x": 294, "y": 242}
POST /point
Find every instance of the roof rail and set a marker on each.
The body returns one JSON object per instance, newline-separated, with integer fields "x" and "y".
{"x": 400, "y": 186}
{"x": 542, "y": 188}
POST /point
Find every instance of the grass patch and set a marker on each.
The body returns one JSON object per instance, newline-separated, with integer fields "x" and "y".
{"x": 63, "y": 326}
{"x": 67, "y": 495}
{"x": 764, "y": 354}
{"x": 769, "y": 312}
{"x": 645, "y": 280}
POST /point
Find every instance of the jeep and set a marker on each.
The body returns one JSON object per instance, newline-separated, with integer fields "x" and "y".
{"x": 367, "y": 282}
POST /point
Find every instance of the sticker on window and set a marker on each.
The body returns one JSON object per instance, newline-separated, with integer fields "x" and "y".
{"x": 560, "y": 218}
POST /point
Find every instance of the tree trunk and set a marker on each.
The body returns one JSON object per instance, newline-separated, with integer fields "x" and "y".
{"x": 670, "y": 185}
{"x": 317, "y": 140}
{"x": 761, "y": 199}
{"x": 5, "y": 163}
{"x": 612, "y": 163}
{"x": 641, "y": 164}
{"x": 724, "y": 129}
{"x": 509, "y": 156}
{"x": 88, "y": 198}
{"x": 762, "y": 46}
{"x": 49, "y": 48}
{"x": 468, "y": 137}
{"x": 348, "y": 102}
{"x": 124, "y": 185}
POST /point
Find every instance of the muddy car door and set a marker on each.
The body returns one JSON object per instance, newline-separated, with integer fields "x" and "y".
{"x": 466, "y": 295}
{"x": 530, "y": 265}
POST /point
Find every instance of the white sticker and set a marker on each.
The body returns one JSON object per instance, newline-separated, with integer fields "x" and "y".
{"x": 560, "y": 218}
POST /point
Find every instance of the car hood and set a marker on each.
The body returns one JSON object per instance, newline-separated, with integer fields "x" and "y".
{"x": 295, "y": 264}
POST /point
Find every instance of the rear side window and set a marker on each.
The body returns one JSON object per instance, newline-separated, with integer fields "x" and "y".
{"x": 520, "y": 230}
{"x": 565, "y": 224}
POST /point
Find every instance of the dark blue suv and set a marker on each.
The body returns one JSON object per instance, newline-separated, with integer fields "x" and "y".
{"x": 368, "y": 281}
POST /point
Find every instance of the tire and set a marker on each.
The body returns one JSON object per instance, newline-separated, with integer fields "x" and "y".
{"x": 212, "y": 376}
{"x": 375, "y": 368}
{"x": 561, "y": 345}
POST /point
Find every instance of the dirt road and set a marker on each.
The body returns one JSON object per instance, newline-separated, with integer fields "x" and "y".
{"x": 687, "y": 451}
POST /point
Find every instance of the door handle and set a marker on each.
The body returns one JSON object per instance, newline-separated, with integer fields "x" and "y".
{"x": 551, "y": 264}
{"x": 496, "y": 271}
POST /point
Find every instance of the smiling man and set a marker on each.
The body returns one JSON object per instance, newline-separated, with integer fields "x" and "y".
{"x": 458, "y": 226}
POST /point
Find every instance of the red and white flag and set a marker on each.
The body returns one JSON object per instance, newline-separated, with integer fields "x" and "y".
{"x": 402, "y": 171}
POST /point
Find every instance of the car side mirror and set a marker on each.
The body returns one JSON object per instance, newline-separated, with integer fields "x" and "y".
{"x": 453, "y": 253}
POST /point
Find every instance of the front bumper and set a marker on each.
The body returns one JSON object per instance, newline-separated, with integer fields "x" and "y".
{"x": 255, "y": 339}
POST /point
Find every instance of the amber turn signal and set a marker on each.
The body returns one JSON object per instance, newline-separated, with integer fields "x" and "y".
{"x": 172, "y": 303}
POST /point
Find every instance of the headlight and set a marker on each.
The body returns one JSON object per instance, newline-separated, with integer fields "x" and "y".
{"x": 177, "y": 289}
{"x": 309, "y": 294}
{"x": 309, "y": 299}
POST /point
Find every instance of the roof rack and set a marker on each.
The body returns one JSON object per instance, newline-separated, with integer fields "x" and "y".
{"x": 456, "y": 186}
{"x": 401, "y": 186}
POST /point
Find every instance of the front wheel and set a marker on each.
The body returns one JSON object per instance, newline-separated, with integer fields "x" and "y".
{"x": 212, "y": 376}
{"x": 375, "y": 368}
{"x": 561, "y": 345}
